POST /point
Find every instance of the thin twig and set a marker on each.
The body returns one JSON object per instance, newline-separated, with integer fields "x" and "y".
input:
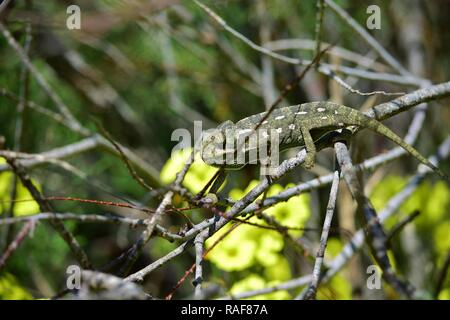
{"x": 371, "y": 41}
{"x": 85, "y": 145}
{"x": 400, "y": 225}
{"x": 357, "y": 241}
{"x": 322, "y": 68}
{"x": 89, "y": 218}
{"x": 243, "y": 38}
{"x": 125, "y": 159}
{"x": 45, "y": 206}
{"x": 75, "y": 125}
{"x": 291, "y": 284}
{"x": 376, "y": 237}
{"x": 135, "y": 250}
{"x": 345, "y": 54}
{"x": 201, "y": 237}
{"x": 319, "y": 24}
{"x": 199, "y": 244}
{"x": 14, "y": 245}
{"x": 311, "y": 292}
{"x": 293, "y": 84}
{"x": 442, "y": 275}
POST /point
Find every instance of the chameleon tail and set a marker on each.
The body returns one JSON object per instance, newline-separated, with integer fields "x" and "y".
{"x": 381, "y": 129}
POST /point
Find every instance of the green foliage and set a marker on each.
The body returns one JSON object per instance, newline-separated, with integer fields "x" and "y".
{"x": 123, "y": 56}
{"x": 433, "y": 203}
{"x": 433, "y": 209}
{"x": 43, "y": 248}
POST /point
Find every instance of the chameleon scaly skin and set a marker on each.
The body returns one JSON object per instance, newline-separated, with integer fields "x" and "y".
{"x": 299, "y": 125}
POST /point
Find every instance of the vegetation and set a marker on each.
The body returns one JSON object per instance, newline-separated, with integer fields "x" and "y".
{"x": 89, "y": 176}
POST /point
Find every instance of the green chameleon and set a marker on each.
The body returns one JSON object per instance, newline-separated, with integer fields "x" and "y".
{"x": 305, "y": 125}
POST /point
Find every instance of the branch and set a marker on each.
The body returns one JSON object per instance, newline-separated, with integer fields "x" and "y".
{"x": 322, "y": 68}
{"x": 85, "y": 145}
{"x": 103, "y": 286}
{"x": 135, "y": 250}
{"x": 45, "y": 206}
{"x": 89, "y": 218}
{"x": 243, "y": 38}
{"x": 75, "y": 125}
{"x": 357, "y": 240}
{"x": 319, "y": 22}
{"x": 442, "y": 276}
{"x": 199, "y": 243}
{"x": 377, "y": 239}
{"x": 409, "y": 100}
{"x": 311, "y": 292}
{"x": 14, "y": 245}
{"x": 371, "y": 41}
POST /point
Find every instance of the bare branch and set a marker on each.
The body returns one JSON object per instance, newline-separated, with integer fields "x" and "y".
{"x": 311, "y": 292}
{"x": 44, "y": 205}
{"x": 367, "y": 37}
{"x": 75, "y": 125}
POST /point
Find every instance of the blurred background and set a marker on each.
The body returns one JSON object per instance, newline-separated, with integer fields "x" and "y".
{"x": 141, "y": 69}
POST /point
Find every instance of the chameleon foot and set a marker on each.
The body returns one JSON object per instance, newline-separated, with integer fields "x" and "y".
{"x": 209, "y": 199}
{"x": 309, "y": 161}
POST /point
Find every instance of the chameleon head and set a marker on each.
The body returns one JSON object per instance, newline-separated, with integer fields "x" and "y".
{"x": 213, "y": 146}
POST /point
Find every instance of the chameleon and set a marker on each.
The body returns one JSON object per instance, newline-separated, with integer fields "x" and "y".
{"x": 303, "y": 125}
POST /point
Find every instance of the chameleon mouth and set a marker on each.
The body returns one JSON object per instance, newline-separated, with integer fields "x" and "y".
{"x": 218, "y": 157}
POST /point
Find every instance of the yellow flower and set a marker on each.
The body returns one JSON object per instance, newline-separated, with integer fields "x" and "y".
{"x": 197, "y": 176}
{"x": 432, "y": 209}
{"x": 293, "y": 213}
{"x": 252, "y": 282}
{"x": 280, "y": 271}
{"x": 248, "y": 244}
{"x": 444, "y": 294}
{"x": 10, "y": 289}
{"x": 269, "y": 245}
{"x": 236, "y": 251}
{"x": 256, "y": 282}
{"x": 25, "y": 204}
{"x": 442, "y": 237}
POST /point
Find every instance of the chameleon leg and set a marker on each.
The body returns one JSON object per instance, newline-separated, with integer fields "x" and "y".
{"x": 310, "y": 148}
{"x": 219, "y": 181}
{"x": 211, "y": 197}
{"x": 213, "y": 185}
